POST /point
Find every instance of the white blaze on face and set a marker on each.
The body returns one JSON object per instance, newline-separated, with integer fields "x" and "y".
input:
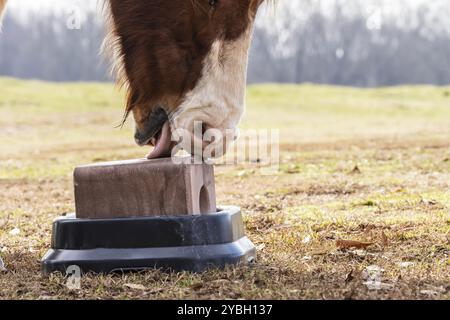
{"x": 218, "y": 100}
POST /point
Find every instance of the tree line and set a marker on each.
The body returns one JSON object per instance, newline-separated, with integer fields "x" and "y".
{"x": 301, "y": 42}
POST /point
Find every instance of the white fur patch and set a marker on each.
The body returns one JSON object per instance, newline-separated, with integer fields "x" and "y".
{"x": 218, "y": 100}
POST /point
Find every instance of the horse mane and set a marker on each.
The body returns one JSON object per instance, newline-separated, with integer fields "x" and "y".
{"x": 113, "y": 51}
{"x": 2, "y": 7}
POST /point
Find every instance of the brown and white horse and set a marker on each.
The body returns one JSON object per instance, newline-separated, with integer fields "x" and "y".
{"x": 183, "y": 62}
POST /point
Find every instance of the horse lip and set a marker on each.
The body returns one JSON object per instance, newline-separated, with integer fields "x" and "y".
{"x": 151, "y": 127}
{"x": 143, "y": 140}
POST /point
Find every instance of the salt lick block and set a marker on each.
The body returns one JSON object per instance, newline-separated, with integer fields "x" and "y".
{"x": 143, "y": 188}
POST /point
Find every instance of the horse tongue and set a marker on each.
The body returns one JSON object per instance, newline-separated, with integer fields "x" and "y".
{"x": 163, "y": 145}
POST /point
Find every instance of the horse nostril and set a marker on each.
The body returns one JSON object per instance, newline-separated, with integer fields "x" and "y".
{"x": 151, "y": 126}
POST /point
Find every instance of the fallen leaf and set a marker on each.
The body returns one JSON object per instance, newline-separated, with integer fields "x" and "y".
{"x": 15, "y": 232}
{"x": 346, "y": 244}
{"x": 135, "y": 286}
{"x": 260, "y": 246}
{"x": 406, "y": 264}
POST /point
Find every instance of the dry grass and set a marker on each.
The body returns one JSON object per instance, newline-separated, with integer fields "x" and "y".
{"x": 364, "y": 165}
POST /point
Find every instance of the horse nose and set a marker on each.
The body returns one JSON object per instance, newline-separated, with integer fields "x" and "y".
{"x": 150, "y": 126}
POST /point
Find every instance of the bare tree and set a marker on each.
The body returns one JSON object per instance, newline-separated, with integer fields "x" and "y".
{"x": 345, "y": 42}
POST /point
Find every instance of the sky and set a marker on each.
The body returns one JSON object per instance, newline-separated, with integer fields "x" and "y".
{"x": 63, "y": 4}
{"x": 374, "y": 10}
{"x": 50, "y": 4}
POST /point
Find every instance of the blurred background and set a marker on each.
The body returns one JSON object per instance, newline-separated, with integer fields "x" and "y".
{"x": 345, "y": 42}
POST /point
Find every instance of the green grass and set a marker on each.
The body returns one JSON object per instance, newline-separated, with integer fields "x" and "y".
{"x": 355, "y": 164}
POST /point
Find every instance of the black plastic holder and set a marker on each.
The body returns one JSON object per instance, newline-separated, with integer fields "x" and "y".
{"x": 176, "y": 243}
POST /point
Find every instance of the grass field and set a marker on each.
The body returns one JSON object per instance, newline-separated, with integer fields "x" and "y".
{"x": 369, "y": 165}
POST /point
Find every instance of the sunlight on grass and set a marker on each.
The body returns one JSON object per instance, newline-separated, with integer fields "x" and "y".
{"x": 355, "y": 164}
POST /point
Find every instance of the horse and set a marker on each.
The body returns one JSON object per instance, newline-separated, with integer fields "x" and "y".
{"x": 2, "y": 7}
{"x": 183, "y": 64}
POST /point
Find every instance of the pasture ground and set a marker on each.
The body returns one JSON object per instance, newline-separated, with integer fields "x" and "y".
{"x": 370, "y": 165}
